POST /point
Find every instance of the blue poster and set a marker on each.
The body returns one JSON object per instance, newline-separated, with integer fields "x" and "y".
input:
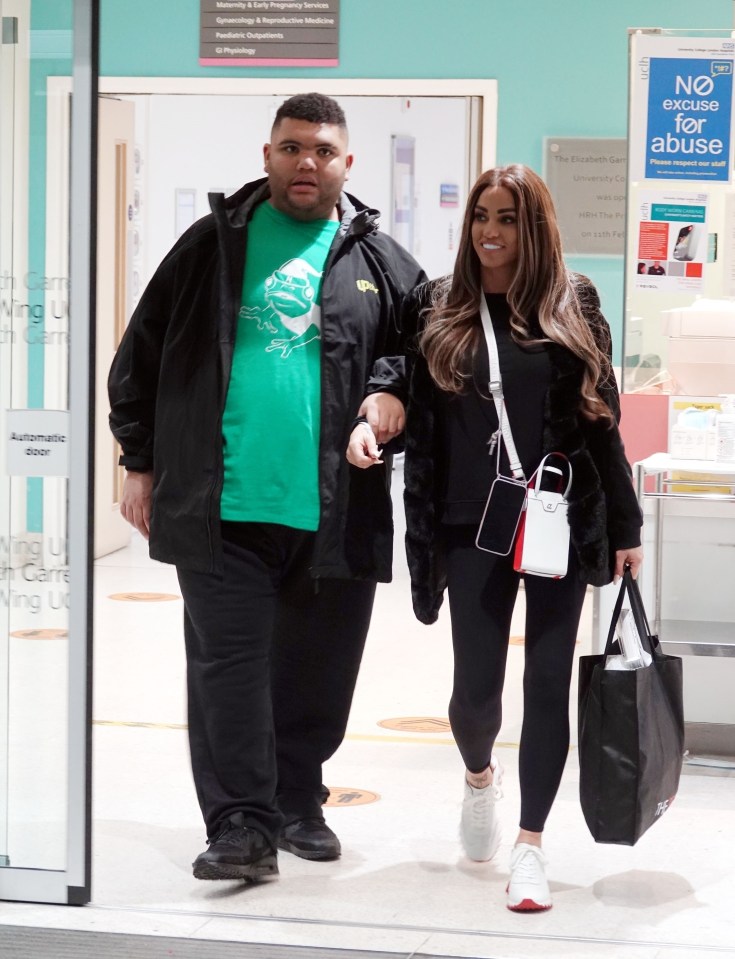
{"x": 689, "y": 115}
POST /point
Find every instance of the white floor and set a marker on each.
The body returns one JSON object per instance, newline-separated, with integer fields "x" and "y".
{"x": 402, "y": 884}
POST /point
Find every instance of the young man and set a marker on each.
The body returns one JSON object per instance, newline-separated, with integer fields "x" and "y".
{"x": 264, "y": 333}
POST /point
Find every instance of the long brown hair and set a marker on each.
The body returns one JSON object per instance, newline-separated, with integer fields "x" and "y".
{"x": 542, "y": 287}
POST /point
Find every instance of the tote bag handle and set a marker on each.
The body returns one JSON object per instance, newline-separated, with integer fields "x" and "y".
{"x": 649, "y": 642}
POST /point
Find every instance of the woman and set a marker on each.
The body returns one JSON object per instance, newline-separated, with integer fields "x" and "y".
{"x": 560, "y": 395}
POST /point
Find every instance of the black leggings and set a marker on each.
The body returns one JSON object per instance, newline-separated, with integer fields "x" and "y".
{"x": 482, "y": 591}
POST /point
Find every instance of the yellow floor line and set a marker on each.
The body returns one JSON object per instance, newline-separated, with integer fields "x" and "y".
{"x": 136, "y": 725}
{"x": 377, "y": 738}
{"x": 351, "y": 737}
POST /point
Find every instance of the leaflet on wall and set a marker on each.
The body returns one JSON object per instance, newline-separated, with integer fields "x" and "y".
{"x": 672, "y": 241}
{"x": 681, "y": 108}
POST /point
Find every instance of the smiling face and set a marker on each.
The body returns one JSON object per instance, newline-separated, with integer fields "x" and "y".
{"x": 495, "y": 238}
{"x": 307, "y": 165}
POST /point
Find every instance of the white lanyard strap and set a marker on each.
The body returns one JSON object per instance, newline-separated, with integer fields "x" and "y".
{"x": 496, "y": 390}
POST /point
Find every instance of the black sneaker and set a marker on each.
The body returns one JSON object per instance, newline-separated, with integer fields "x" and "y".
{"x": 310, "y": 839}
{"x": 236, "y": 852}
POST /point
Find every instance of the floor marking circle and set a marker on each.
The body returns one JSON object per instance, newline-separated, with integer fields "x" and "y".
{"x": 40, "y": 633}
{"x": 350, "y": 796}
{"x": 417, "y": 724}
{"x": 144, "y": 597}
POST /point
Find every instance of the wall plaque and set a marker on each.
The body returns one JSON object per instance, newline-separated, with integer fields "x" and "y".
{"x": 587, "y": 179}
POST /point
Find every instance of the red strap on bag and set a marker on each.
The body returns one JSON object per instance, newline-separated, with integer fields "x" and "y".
{"x": 518, "y": 552}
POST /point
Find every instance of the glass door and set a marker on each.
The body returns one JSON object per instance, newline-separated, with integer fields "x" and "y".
{"x": 46, "y": 239}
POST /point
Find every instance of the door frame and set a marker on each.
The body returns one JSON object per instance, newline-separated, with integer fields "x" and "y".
{"x": 483, "y": 127}
{"x": 72, "y": 884}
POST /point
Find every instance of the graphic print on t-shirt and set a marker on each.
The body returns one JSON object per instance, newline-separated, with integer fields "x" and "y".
{"x": 272, "y": 419}
{"x": 290, "y": 308}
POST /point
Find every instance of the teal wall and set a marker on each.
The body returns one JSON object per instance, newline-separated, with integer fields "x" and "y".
{"x": 51, "y": 55}
{"x": 561, "y": 67}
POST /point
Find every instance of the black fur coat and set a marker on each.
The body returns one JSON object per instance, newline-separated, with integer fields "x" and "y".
{"x": 603, "y": 510}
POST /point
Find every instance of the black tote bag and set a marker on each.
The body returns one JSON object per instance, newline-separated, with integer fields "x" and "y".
{"x": 631, "y": 734}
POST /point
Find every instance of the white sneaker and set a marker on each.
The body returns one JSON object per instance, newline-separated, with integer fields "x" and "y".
{"x": 479, "y": 828}
{"x": 528, "y": 890}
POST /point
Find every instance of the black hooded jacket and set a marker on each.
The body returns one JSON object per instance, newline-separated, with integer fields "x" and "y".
{"x": 169, "y": 380}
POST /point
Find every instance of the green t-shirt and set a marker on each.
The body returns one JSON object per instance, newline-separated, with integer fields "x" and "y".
{"x": 272, "y": 415}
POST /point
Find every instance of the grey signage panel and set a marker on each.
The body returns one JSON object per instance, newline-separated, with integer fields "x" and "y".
{"x": 239, "y": 21}
{"x": 587, "y": 179}
{"x": 281, "y": 37}
{"x": 269, "y": 7}
{"x": 289, "y": 51}
{"x": 296, "y": 32}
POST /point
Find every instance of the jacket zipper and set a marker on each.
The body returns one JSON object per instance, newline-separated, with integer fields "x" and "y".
{"x": 219, "y": 453}
{"x": 331, "y": 257}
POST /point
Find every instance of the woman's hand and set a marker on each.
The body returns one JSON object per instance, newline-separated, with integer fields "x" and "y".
{"x": 628, "y": 557}
{"x": 362, "y": 449}
{"x": 385, "y": 415}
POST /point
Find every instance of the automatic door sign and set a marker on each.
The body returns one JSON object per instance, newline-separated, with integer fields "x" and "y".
{"x": 417, "y": 724}
{"x": 38, "y": 442}
{"x": 350, "y": 796}
{"x": 144, "y": 597}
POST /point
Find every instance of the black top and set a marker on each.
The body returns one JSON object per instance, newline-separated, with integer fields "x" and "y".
{"x": 468, "y": 420}
{"x": 604, "y": 515}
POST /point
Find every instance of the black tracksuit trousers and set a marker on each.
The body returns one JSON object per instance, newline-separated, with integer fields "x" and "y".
{"x": 272, "y": 662}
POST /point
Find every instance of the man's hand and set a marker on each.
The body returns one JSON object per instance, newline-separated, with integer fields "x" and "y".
{"x": 135, "y": 504}
{"x": 385, "y": 415}
{"x": 628, "y": 557}
{"x": 362, "y": 449}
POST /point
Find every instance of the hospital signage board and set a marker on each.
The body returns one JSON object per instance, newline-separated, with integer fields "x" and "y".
{"x": 681, "y": 109}
{"x": 586, "y": 177}
{"x": 266, "y": 33}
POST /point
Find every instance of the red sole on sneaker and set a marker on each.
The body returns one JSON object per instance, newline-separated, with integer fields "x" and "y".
{"x": 528, "y": 905}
